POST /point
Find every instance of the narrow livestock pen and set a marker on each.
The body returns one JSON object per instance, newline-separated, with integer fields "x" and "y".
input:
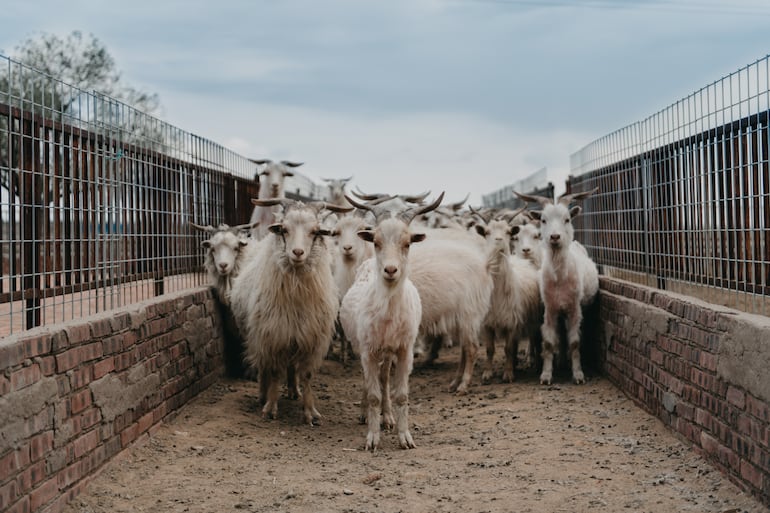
{"x": 113, "y": 395}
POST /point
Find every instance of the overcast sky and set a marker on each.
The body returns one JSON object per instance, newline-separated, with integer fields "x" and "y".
{"x": 411, "y": 95}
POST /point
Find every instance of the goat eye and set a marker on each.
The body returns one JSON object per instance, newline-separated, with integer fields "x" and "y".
{"x": 566, "y": 220}
{"x": 543, "y": 221}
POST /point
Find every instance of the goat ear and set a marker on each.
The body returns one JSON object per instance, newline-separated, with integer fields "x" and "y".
{"x": 574, "y": 211}
{"x": 276, "y": 229}
{"x": 417, "y": 237}
{"x": 535, "y": 215}
{"x": 206, "y": 244}
{"x": 365, "y": 235}
{"x": 288, "y": 173}
{"x": 515, "y": 230}
{"x": 481, "y": 230}
{"x": 243, "y": 242}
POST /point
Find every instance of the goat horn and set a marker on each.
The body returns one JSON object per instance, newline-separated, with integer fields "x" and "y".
{"x": 417, "y": 198}
{"x": 534, "y": 199}
{"x": 247, "y": 226}
{"x": 366, "y": 197}
{"x": 459, "y": 204}
{"x": 291, "y": 164}
{"x": 408, "y": 215}
{"x": 362, "y": 206}
{"x": 260, "y": 161}
{"x": 208, "y": 228}
{"x": 567, "y": 198}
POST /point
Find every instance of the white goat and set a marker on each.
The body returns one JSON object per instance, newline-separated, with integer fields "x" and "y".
{"x": 526, "y": 242}
{"x": 270, "y": 186}
{"x": 337, "y": 190}
{"x": 515, "y": 310}
{"x": 455, "y": 287}
{"x": 285, "y": 303}
{"x": 381, "y": 314}
{"x": 223, "y": 255}
{"x": 350, "y": 251}
{"x": 569, "y": 279}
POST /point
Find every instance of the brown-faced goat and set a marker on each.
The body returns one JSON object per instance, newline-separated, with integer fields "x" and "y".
{"x": 381, "y": 314}
{"x": 569, "y": 279}
{"x": 271, "y": 186}
{"x": 285, "y": 302}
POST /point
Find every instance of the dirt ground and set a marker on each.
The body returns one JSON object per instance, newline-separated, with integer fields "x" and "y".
{"x": 503, "y": 447}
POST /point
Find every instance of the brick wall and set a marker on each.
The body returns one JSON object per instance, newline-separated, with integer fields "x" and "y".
{"x": 704, "y": 370}
{"x": 74, "y": 395}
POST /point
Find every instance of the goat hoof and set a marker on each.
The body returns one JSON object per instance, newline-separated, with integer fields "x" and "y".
{"x": 372, "y": 441}
{"x": 545, "y": 380}
{"x": 405, "y": 440}
{"x": 508, "y": 377}
{"x": 486, "y": 378}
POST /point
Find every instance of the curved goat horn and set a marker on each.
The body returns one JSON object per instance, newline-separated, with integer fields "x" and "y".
{"x": 565, "y": 198}
{"x": 417, "y": 198}
{"x": 410, "y": 214}
{"x": 534, "y": 199}
{"x": 208, "y": 228}
{"x": 247, "y": 226}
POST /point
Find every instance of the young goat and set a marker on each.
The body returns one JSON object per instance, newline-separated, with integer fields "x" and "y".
{"x": 381, "y": 314}
{"x": 285, "y": 303}
{"x": 569, "y": 279}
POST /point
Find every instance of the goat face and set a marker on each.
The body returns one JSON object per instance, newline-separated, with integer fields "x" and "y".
{"x": 274, "y": 175}
{"x": 526, "y": 238}
{"x": 224, "y": 247}
{"x": 498, "y": 235}
{"x": 302, "y": 238}
{"x": 556, "y": 225}
{"x": 391, "y": 239}
{"x": 350, "y": 245}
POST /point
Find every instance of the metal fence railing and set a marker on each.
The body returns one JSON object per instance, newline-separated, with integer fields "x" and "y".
{"x": 684, "y": 201}
{"x": 96, "y": 199}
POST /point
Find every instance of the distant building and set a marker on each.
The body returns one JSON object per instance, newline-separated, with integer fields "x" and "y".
{"x": 536, "y": 183}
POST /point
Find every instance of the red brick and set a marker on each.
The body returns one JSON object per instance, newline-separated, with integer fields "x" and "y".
{"x": 25, "y": 376}
{"x": 709, "y": 444}
{"x": 47, "y": 365}
{"x": 8, "y": 465}
{"x": 145, "y": 422}
{"x": 129, "y": 434}
{"x": 80, "y": 401}
{"x": 736, "y": 397}
{"x": 31, "y": 476}
{"x": 67, "y": 360}
{"x": 78, "y": 334}
{"x": 708, "y": 361}
{"x": 40, "y": 445}
{"x": 104, "y": 367}
{"x": 100, "y": 328}
{"x": 758, "y": 408}
{"x": 9, "y": 493}
{"x": 21, "y": 506}
{"x": 751, "y": 474}
{"x": 80, "y": 377}
{"x": 85, "y": 444}
{"x": 43, "y": 494}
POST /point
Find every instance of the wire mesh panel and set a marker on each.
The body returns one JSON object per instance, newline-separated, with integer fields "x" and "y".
{"x": 96, "y": 200}
{"x": 685, "y": 194}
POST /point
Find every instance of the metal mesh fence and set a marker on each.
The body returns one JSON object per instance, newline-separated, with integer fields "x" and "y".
{"x": 684, "y": 201}
{"x": 96, "y": 200}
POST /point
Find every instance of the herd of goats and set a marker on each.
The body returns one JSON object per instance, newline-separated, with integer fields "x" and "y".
{"x": 383, "y": 274}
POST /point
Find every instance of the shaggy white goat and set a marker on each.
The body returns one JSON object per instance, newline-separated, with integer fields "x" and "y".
{"x": 381, "y": 314}
{"x": 455, "y": 287}
{"x": 223, "y": 255}
{"x": 285, "y": 303}
{"x": 270, "y": 187}
{"x": 515, "y": 310}
{"x": 569, "y": 279}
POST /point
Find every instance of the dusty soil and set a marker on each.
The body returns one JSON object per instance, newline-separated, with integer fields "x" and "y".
{"x": 504, "y": 447}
